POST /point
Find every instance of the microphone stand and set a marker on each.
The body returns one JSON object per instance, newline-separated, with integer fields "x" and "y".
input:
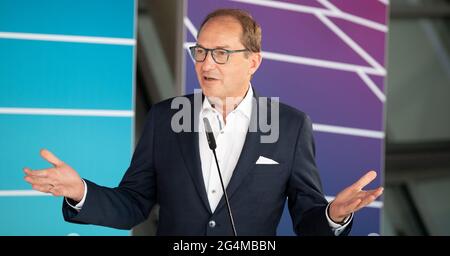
{"x": 212, "y": 146}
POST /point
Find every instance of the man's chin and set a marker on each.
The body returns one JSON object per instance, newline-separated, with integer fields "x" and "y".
{"x": 212, "y": 93}
{"x": 209, "y": 91}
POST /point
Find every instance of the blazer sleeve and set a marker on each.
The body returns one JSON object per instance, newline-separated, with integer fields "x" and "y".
{"x": 306, "y": 201}
{"x": 130, "y": 203}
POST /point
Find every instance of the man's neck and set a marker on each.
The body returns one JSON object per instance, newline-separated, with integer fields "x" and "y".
{"x": 227, "y": 105}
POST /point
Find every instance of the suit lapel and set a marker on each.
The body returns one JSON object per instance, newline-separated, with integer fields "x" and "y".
{"x": 188, "y": 142}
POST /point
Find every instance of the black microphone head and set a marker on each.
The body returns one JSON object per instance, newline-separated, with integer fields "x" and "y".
{"x": 209, "y": 134}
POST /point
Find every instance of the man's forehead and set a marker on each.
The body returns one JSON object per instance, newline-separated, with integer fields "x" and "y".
{"x": 221, "y": 31}
{"x": 221, "y": 25}
{"x": 226, "y": 20}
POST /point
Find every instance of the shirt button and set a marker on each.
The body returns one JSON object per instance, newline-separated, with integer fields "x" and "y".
{"x": 213, "y": 191}
{"x": 222, "y": 132}
{"x": 212, "y": 224}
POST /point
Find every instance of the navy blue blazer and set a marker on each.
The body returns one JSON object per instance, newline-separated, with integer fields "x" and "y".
{"x": 166, "y": 169}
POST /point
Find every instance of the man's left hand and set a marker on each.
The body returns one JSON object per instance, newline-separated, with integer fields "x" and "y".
{"x": 354, "y": 198}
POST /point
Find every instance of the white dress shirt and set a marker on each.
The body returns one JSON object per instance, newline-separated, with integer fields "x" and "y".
{"x": 230, "y": 138}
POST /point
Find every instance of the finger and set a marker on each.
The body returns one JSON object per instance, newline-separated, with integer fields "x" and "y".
{"x": 366, "y": 201}
{"x": 349, "y": 207}
{"x": 26, "y": 170}
{"x": 37, "y": 181}
{"x": 376, "y": 192}
{"x": 38, "y": 173}
{"x": 56, "y": 191}
{"x": 364, "y": 180}
{"x": 352, "y": 205}
{"x": 369, "y": 198}
{"x": 47, "y": 155}
{"x": 42, "y": 188}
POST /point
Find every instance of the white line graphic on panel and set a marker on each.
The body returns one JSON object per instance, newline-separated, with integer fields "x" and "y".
{"x": 22, "y": 193}
{"x": 68, "y": 38}
{"x": 329, "y": 6}
{"x": 186, "y": 46}
{"x": 374, "y": 204}
{"x": 351, "y": 43}
{"x": 386, "y": 2}
{"x": 348, "y": 131}
{"x": 190, "y": 27}
{"x": 314, "y": 10}
{"x": 372, "y": 86}
{"x": 67, "y": 112}
{"x": 320, "y": 63}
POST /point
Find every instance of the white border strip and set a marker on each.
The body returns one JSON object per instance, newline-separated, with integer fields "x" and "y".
{"x": 22, "y": 193}
{"x": 67, "y": 112}
{"x": 372, "y": 86}
{"x": 348, "y": 131}
{"x": 314, "y": 10}
{"x": 68, "y": 38}
{"x": 374, "y": 204}
{"x": 386, "y": 2}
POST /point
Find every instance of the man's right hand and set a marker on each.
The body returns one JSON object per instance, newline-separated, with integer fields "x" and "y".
{"x": 61, "y": 180}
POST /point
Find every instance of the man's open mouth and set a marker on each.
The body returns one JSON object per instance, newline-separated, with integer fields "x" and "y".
{"x": 207, "y": 78}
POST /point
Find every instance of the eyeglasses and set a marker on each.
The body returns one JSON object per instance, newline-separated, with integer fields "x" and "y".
{"x": 220, "y": 56}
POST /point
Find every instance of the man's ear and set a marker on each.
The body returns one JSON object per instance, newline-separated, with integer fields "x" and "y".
{"x": 255, "y": 61}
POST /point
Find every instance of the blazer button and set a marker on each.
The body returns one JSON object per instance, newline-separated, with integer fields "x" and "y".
{"x": 212, "y": 224}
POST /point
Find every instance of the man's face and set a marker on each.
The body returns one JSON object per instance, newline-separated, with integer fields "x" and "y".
{"x": 232, "y": 78}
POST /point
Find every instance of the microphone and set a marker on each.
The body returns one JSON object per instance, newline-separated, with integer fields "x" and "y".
{"x": 212, "y": 146}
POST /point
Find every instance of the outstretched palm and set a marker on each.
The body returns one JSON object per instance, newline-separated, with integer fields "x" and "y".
{"x": 354, "y": 198}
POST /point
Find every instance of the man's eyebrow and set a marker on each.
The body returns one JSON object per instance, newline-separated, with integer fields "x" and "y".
{"x": 217, "y": 47}
{"x": 223, "y": 46}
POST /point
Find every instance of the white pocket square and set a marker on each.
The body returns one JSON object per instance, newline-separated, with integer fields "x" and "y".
{"x": 265, "y": 160}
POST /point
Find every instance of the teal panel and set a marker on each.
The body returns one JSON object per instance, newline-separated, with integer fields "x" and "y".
{"x": 63, "y": 75}
{"x": 99, "y": 148}
{"x": 82, "y": 17}
{"x": 40, "y": 74}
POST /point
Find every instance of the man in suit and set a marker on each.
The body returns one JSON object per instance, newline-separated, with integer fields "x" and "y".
{"x": 176, "y": 169}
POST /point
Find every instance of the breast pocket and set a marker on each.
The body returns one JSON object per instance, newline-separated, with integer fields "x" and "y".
{"x": 268, "y": 180}
{"x": 268, "y": 169}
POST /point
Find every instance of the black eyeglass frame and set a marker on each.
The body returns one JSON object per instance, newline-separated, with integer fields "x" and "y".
{"x": 229, "y": 52}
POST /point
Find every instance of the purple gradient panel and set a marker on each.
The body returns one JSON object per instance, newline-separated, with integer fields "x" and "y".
{"x": 367, "y": 221}
{"x": 189, "y": 37}
{"x": 372, "y": 41}
{"x": 329, "y": 96}
{"x": 379, "y": 81}
{"x": 285, "y": 226}
{"x": 294, "y": 33}
{"x": 343, "y": 159}
{"x": 309, "y": 3}
{"x": 373, "y": 10}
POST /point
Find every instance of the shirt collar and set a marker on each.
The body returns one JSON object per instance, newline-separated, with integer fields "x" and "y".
{"x": 244, "y": 107}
